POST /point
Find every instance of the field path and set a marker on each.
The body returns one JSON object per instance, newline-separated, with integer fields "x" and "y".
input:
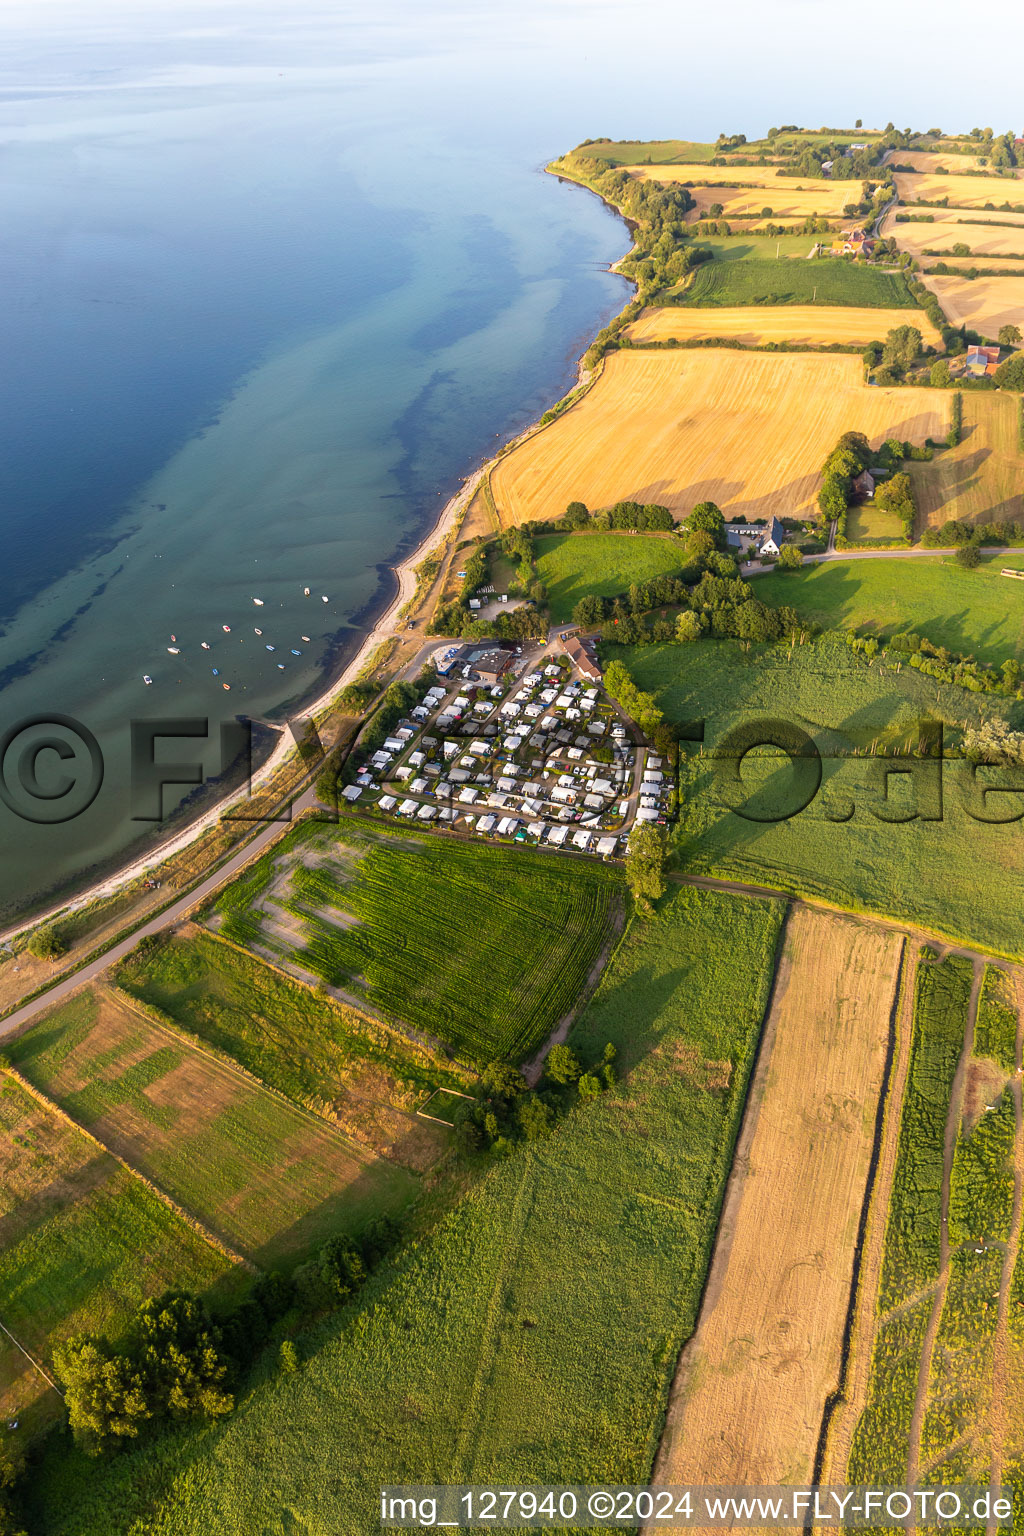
{"x": 998, "y": 1418}
{"x": 535, "y": 1066}
{"x": 465, "y": 1446}
{"x": 835, "y": 1452}
{"x": 956, "y": 1100}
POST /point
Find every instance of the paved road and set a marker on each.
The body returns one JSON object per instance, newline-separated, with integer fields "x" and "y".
{"x": 163, "y": 920}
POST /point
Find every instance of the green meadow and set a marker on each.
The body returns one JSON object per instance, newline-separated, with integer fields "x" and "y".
{"x": 302, "y": 1044}
{"x": 84, "y": 1242}
{"x": 269, "y": 1179}
{"x": 721, "y": 284}
{"x": 534, "y": 1334}
{"x": 860, "y": 841}
{"x": 975, "y": 613}
{"x": 571, "y": 565}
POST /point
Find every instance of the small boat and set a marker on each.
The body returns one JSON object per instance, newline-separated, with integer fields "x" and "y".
{"x": 205, "y": 644}
{"x": 258, "y": 601}
{"x": 258, "y": 631}
{"x": 304, "y": 637}
{"x": 146, "y": 678}
{"x": 295, "y": 652}
{"x": 174, "y": 650}
{"x": 226, "y": 628}
{"x": 305, "y": 591}
{"x": 325, "y": 599}
{"x": 227, "y": 686}
{"x": 174, "y": 639}
{"x": 280, "y": 666}
{"x": 216, "y": 671}
{"x": 270, "y": 647}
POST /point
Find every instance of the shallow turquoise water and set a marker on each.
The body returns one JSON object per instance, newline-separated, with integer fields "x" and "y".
{"x": 260, "y": 320}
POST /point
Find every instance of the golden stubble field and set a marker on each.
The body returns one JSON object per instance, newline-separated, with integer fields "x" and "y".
{"x": 982, "y": 239}
{"x": 752, "y": 1384}
{"x": 806, "y": 324}
{"x": 930, "y": 160}
{"x": 983, "y": 304}
{"x": 749, "y": 431}
{"x": 787, "y": 196}
{"x": 962, "y": 191}
{"x": 982, "y": 479}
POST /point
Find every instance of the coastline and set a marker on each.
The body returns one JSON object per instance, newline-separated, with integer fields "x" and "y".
{"x": 386, "y": 626}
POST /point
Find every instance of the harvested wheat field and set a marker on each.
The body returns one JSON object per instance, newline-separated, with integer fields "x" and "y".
{"x": 787, "y": 200}
{"x": 981, "y": 303}
{"x": 746, "y": 430}
{"x": 735, "y": 175}
{"x": 996, "y": 265}
{"x": 982, "y": 479}
{"x": 932, "y": 159}
{"x": 981, "y": 239}
{"x": 805, "y": 324}
{"x": 753, "y": 1381}
{"x": 962, "y": 191}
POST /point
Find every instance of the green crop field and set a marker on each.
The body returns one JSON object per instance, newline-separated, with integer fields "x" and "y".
{"x": 954, "y": 875}
{"x": 995, "y": 1030}
{"x": 84, "y": 1242}
{"x": 535, "y": 1333}
{"x": 483, "y": 948}
{"x": 822, "y": 281}
{"x": 913, "y": 1231}
{"x": 976, "y": 613}
{"x": 571, "y": 565}
{"x": 744, "y": 247}
{"x": 656, "y": 152}
{"x": 307, "y": 1046}
{"x": 265, "y": 1177}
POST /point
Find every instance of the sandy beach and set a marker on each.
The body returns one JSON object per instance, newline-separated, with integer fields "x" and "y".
{"x": 384, "y": 627}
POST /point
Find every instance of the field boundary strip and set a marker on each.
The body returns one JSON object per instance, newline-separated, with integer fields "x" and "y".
{"x": 33, "y": 1362}
{"x": 837, "y": 1396}
{"x": 213, "y": 1239}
